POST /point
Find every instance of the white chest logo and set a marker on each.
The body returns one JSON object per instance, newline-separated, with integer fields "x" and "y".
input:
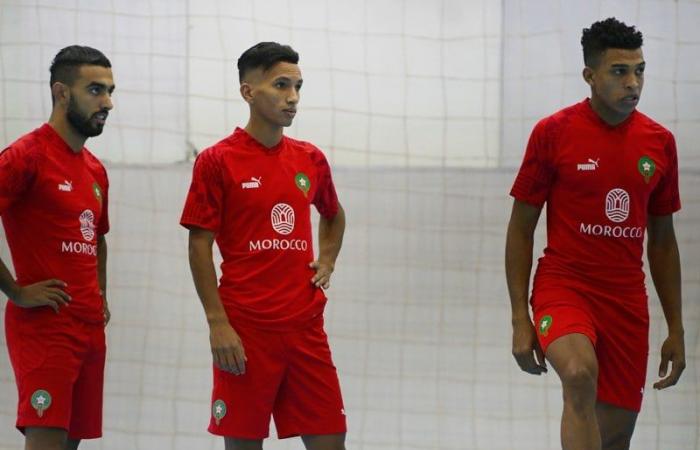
{"x": 87, "y": 225}
{"x": 617, "y": 205}
{"x": 66, "y": 186}
{"x": 254, "y": 183}
{"x": 590, "y": 165}
{"x": 282, "y": 217}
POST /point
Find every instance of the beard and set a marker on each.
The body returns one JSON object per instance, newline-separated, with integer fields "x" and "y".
{"x": 81, "y": 123}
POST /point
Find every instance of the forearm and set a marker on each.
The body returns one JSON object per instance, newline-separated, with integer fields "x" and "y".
{"x": 518, "y": 257}
{"x": 330, "y": 237}
{"x": 8, "y": 285}
{"x": 665, "y": 268}
{"x": 204, "y": 277}
{"x": 102, "y": 265}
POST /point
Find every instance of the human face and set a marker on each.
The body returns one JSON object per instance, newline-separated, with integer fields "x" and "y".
{"x": 616, "y": 83}
{"x": 273, "y": 95}
{"x": 90, "y": 100}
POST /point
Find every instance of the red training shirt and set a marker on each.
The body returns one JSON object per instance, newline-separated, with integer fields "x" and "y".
{"x": 257, "y": 201}
{"x": 599, "y": 182}
{"x": 53, "y": 203}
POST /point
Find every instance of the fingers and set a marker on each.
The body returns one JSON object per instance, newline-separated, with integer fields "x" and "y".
{"x": 61, "y": 293}
{"x": 53, "y": 282}
{"x": 539, "y": 355}
{"x": 677, "y": 368}
{"x": 527, "y": 363}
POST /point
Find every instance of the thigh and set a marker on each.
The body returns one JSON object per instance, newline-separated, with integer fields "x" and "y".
{"x": 242, "y": 404}
{"x": 86, "y": 417}
{"x": 561, "y": 311}
{"x": 324, "y": 442}
{"x": 242, "y": 444}
{"x": 574, "y": 359}
{"x": 46, "y": 356}
{"x": 623, "y": 351}
{"x": 309, "y": 401}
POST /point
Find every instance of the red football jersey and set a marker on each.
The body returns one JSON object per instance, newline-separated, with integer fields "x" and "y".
{"x": 257, "y": 201}
{"x": 53, "y": 203}
{"x": 599, "y": 182}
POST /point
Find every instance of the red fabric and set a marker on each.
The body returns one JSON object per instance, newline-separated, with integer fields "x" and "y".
{"x": 63, "y": 356}
{"x": 289, "y": 375}
{"x": 53, "y": 203}
{"x": 587, "y": 173}
{"x": 617, "y": 326}
{"x": 256, "y": 201}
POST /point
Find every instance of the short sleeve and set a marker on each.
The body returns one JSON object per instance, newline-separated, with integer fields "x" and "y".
{"x": 205, "y": 198}
{"x": 103, "y": 227}
{"x": 325, "y": 198}
{"x": 18, "y": 168}
{"x": 665, "y": 198}
{"x": 536, "y": 174}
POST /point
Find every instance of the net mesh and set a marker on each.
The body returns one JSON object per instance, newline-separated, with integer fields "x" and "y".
{"x": 423, "y": 109}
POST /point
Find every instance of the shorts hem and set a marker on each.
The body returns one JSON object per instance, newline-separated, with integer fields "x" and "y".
{"x": 235, "y": 435}
{"x": 315, "y": 432}
{"x": 620, "y": 404}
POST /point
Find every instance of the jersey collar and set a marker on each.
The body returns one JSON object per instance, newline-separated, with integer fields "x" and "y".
{"x": 47, "y": 132}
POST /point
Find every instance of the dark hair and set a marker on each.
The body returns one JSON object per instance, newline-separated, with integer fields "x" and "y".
{"x": 265, "y": 55}
{"x": 605, "y": 34}
{"x": 65, "y": 65}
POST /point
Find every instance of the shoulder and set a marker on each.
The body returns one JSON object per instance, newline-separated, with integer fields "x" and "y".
{"x": 28, "y": 146}
{"x": 646, "y": 124}
{"x": 96, "y": 167}
{"x": 554, "y": 124}
{"x": 307, "y": 148}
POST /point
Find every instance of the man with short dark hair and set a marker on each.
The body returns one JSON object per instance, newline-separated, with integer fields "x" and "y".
{"x": 252, "y": 192}
{"x": 53, "y": 202}
{"x": 607, "y": 173}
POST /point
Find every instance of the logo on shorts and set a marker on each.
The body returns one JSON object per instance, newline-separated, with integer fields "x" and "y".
{"x": 646, "y": 167}
{"x": 617, "y": 205}
{"x": 218, "y": 410}
{"x": 545, "y": 323}
{"x": 87, "y": 225}
{"x": 302, "y": 182}
{"x": 282, "y": 217}
{"x": 41, "y": 400}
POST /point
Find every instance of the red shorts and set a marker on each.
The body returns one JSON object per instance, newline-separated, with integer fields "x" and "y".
{"x": 617, "y": 323}
{"x": 58, "y": 362}
{"x": 289, "y": 375}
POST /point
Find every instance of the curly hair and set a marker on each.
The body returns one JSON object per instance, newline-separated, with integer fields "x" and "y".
{"x": 605, "y": 34}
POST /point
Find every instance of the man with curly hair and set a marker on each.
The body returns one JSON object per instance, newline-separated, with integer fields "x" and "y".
{"x": 607, "y": 173}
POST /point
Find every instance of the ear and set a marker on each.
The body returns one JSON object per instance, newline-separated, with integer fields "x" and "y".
{"x": 588, "y": 76}
{"x": 60, "y": 93}
{"x": 247, "y": 92}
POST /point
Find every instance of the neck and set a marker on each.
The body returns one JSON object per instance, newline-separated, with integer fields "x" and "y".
{"x": 70, "y": 136}
{"x": 606, "y": 114}
{"x": 265, "y": 133}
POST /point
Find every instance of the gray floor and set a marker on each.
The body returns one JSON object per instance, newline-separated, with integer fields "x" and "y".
{"x": 418, "y": 319}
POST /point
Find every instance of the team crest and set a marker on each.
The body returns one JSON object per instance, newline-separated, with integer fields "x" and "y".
{"x": 97, "y": 191}
{"x": 545, "y": 323}
{"x": 218, "y": 411}
{"x": 41, "y": 400}
{"x": 646, "y": 167}
{"x": 302, "y": 182}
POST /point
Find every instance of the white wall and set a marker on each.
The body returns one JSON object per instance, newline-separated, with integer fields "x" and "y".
{"x": 542, "y": 65}
{"x": 386, "y": 83}
{"x": 146, "y": 43}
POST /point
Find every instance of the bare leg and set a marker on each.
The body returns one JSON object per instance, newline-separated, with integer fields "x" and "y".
{"x": 616, "y": 426}
{"x": 243, "y": 444}
{"x": 324, "y": 441}
{"x": 43, "y": 438}
{"x": 72, "y": 444}
{"x": 573, "y": 358}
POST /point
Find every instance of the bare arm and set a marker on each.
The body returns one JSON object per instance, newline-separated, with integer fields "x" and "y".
{"x": 102, "y": 274}
{"x": 665, "y": 268}
{"x": 226, "y": 346}
{"x": 519, "y": 246}
{"x": 330, "y": 240}
{"x": 44, "y": 293}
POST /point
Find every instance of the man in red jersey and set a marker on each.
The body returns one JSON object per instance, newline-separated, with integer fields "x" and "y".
{"x": 252, "y": 193}
{"x": 607, "y": 173}
{"x": 53, "y": 202}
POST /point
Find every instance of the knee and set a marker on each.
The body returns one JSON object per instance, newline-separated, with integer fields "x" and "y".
{"x": 579, "y": 382}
